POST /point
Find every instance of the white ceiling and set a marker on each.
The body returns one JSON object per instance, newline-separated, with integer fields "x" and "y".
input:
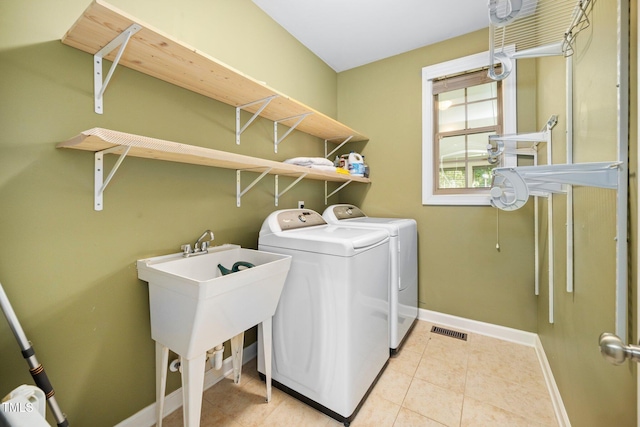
{"x": 349, "y": 33}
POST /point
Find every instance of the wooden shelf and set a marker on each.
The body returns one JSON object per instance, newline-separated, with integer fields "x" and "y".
{"x": 156, "y": 54}
{"x": 108, "y": 33}
{"x": 105, "y": 141}
{"x": 98, "y": 139}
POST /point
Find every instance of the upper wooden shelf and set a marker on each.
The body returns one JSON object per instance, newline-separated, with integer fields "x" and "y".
{"x": 156, "y": 54}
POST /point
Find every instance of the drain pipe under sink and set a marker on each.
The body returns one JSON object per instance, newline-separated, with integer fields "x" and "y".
{"x": 214, "y": 356}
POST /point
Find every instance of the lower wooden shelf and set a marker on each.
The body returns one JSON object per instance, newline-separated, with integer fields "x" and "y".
{"x": 104, "y": 141}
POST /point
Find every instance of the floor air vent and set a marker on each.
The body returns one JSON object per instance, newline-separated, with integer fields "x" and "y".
{"x": 449, "y": 333}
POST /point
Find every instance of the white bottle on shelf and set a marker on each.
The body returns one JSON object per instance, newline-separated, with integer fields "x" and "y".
{"x": 356, "y": 164}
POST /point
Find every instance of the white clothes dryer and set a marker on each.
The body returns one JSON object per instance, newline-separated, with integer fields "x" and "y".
{"x": 330, "y": 330}
{"x": 403, "y": 277}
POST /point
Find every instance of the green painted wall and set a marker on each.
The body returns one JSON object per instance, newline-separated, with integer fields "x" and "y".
{"x": 594, "y": 392}
{"x": 68, "y": 270}
{"x": 461, "y": 272}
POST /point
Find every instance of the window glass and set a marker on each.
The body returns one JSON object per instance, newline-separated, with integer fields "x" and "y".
{"x": 467, "y": 113}
{"x": 452, "y": 148}
{"x": 452, "y": 97}
{"x": 480, "y": 92}
{"x": 478, "y": 155}
{"x": 477, "y": 145}
{"x": 453, "y": 177}
{"x": 481, "y": 114}
{"x": 482, "y": 176}
{"x": 452, "y": 118}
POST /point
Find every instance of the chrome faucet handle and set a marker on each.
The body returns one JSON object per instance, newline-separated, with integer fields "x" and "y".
{"x": 197, "y": 248}
{"x": 200, "y": 247}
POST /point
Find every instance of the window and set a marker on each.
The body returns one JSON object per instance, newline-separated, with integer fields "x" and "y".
{"x": 461, "y": 108}
{"x": 467, "y": 109}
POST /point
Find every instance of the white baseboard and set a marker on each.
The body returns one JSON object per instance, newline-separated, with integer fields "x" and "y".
{"x": 496, "y": 331}
{"x": 558, "y": 405}
{"x": 508, "y": 334}
{"x": 173, "y": 401}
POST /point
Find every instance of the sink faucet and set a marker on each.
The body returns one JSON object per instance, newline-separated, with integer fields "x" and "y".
{"x": 199, "y": 247}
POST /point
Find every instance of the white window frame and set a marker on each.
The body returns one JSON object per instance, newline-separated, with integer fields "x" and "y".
{"x": 456, "y": 66}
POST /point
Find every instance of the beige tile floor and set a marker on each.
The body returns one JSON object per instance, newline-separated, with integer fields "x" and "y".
{"x": 434, "y": 381}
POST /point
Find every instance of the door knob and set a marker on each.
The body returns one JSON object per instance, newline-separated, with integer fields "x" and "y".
{"x": 615, "y": 351}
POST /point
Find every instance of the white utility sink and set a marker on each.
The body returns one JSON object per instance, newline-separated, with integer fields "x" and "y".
{"x": 194, "y": 308}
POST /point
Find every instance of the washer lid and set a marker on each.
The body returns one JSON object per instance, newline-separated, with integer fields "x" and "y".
{"x": 392, "y": 225}
{"x": 326, "y": 239}
{"x": 372, "y": 220}
{"x": 351, "y": 216}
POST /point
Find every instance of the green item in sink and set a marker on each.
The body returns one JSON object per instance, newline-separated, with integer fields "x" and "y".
{"x": 235, "y": 268}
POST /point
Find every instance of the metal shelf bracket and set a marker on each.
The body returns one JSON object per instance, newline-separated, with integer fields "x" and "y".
{"x": 239, "y": 129}
{"x": 98, "y": 85}
{"x": 278, "y": 195}
{"x": 239, "y": 191}
{"x": 326, "y": 196}
{"x": 326, "y": 154}
{"x": 99, "y": 184}
{"x": 277, "y": 141}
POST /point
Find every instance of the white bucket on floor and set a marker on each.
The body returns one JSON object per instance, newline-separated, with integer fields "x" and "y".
{"x": 24, "y": 407}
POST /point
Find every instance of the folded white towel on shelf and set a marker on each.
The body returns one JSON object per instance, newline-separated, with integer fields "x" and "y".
{"x": 309, "y": 161}
{"x": 324, "y": 168}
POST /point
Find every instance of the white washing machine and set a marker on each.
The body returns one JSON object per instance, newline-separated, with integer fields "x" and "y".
{"x": 330, "y": 330}
{"x": 403, "y": 277}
